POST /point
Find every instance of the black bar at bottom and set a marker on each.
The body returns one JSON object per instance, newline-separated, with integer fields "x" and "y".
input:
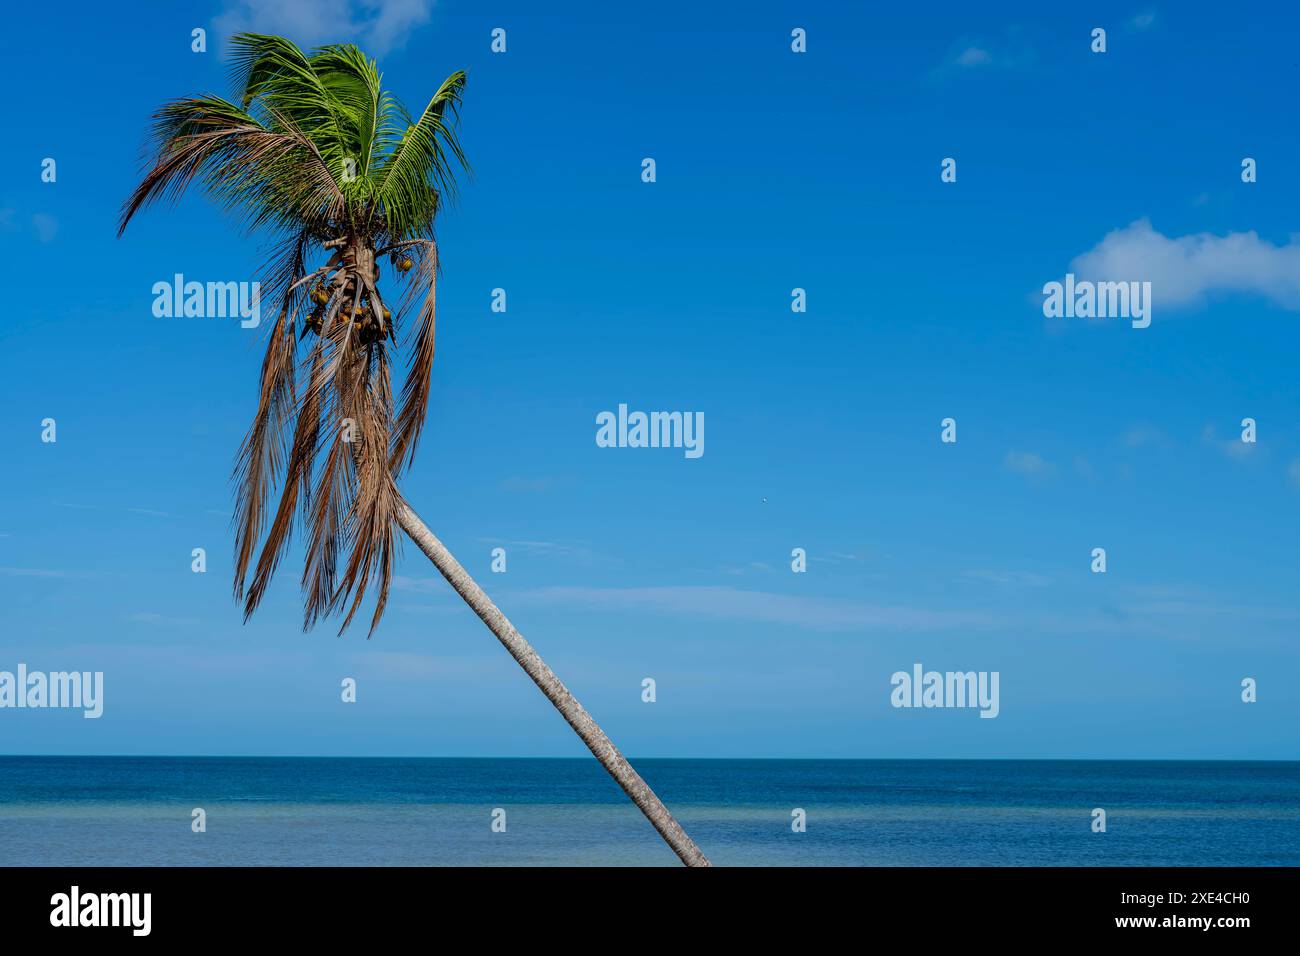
{"x": 333, "y": 905}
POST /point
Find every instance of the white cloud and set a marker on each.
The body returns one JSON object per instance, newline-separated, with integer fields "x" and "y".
{"x": 152, "y": 617}
{"x": 1028, "y": 463}
{"x": 1184, "y": 270}
{"x": 1201, "y": 609}
{"x": 521, "y": 484}
{"x": 419, "y": 585}
{"x": 1139, "y": 436}
{"x": 376, "y": 25}
{"x": 150, "y": 512}
{"x": 408, "y": 666}
{"x": 1024, "y": 579}
{"x": 758, "y": 607}
{"x": 32, "y": 573}
{"x": 1234, "y": 448}
{"x": 974, "y": 56}
{"x": 395, "y": 19}
{"x": 1293, "y": 472}
{"x": 1010, "y": 51}
{"x": 47, "y": 227}
{"x": 553, "y": 549}
{"x": 834, "y": 557}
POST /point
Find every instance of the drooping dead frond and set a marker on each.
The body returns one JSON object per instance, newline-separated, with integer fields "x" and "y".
{"x": 421, "y": 293}
{"x": 372, "y": 521}
{"x": 261, "y": 455}
{"x": 297, "y": 486}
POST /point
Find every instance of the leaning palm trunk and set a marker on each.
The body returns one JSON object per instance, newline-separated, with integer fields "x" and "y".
{"x": 316, "y": 151}
{"x": 581, "y": 721}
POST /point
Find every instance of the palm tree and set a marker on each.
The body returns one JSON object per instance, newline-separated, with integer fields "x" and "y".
{"x": 317, "y": 153}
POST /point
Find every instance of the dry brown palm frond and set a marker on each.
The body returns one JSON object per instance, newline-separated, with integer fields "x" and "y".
{"x": 306, "y": 440}
{"x": 355, "y": 499}
{"x": 297, "y": 486}
{"x": 263, "y": 174}
{"x": 345, "y": 490}
{"x": 262, "y": 453}
{"x": 415, "y": 391}
{"x": 372, "y": 522}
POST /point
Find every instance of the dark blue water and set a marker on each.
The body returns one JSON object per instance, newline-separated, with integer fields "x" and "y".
{"x": 137, "y": 811}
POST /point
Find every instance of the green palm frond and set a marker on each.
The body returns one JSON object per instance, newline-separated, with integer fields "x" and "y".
{"x": 261, "y": 174}
{"x": 418, "y": 172}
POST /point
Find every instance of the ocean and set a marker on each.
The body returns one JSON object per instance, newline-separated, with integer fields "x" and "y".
{"x": 137, "y": 811}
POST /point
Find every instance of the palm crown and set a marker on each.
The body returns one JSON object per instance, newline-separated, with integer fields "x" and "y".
{"x": 316, "y": 152}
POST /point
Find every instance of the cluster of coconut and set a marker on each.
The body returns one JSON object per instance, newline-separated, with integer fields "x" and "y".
{"x": 366, "y": 322}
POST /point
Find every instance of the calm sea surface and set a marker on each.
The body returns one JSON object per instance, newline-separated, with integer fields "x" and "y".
{"x": 411, "y": 811}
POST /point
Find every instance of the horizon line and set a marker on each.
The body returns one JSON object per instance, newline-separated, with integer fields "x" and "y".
{"x": 648, "y": 759}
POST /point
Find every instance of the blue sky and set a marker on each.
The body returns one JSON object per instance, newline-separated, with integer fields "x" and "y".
{"x": 774, "y": 170}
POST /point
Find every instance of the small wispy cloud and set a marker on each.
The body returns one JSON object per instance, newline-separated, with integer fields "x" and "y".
{"x": 1293, "y": 473}
{"x": 151, "y": 617}
{"x": 1010, "y": 51}
{"x": 1142, "y": 436}
{"x": 47, "y": 227}
{"x": 1030, "y": 464}
{"x": 834, "y": 557}
{"x": 542, "y": 549}
{"x": 1234, "y": 448}
{"x": 418, "y": 585}
{"x": 1143, "y": 21}
{"x": 149, "y": 512}
{"x": 397, "y": 665}
{"x": 1201, "y": 609}
{"x": 521, "y": 485}
{"x": 760, "y": 607}
{"x": 403, "y": 666}
{"x": 1023, "y": 579}
{"x": 32, "y": 573}
{"x": 377, "y": 25}
{"x": 548, "y": 548}
{"x": 974, "y": 56}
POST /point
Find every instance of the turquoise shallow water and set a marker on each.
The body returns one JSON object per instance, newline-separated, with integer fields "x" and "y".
{"x": 413, "y": 811}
